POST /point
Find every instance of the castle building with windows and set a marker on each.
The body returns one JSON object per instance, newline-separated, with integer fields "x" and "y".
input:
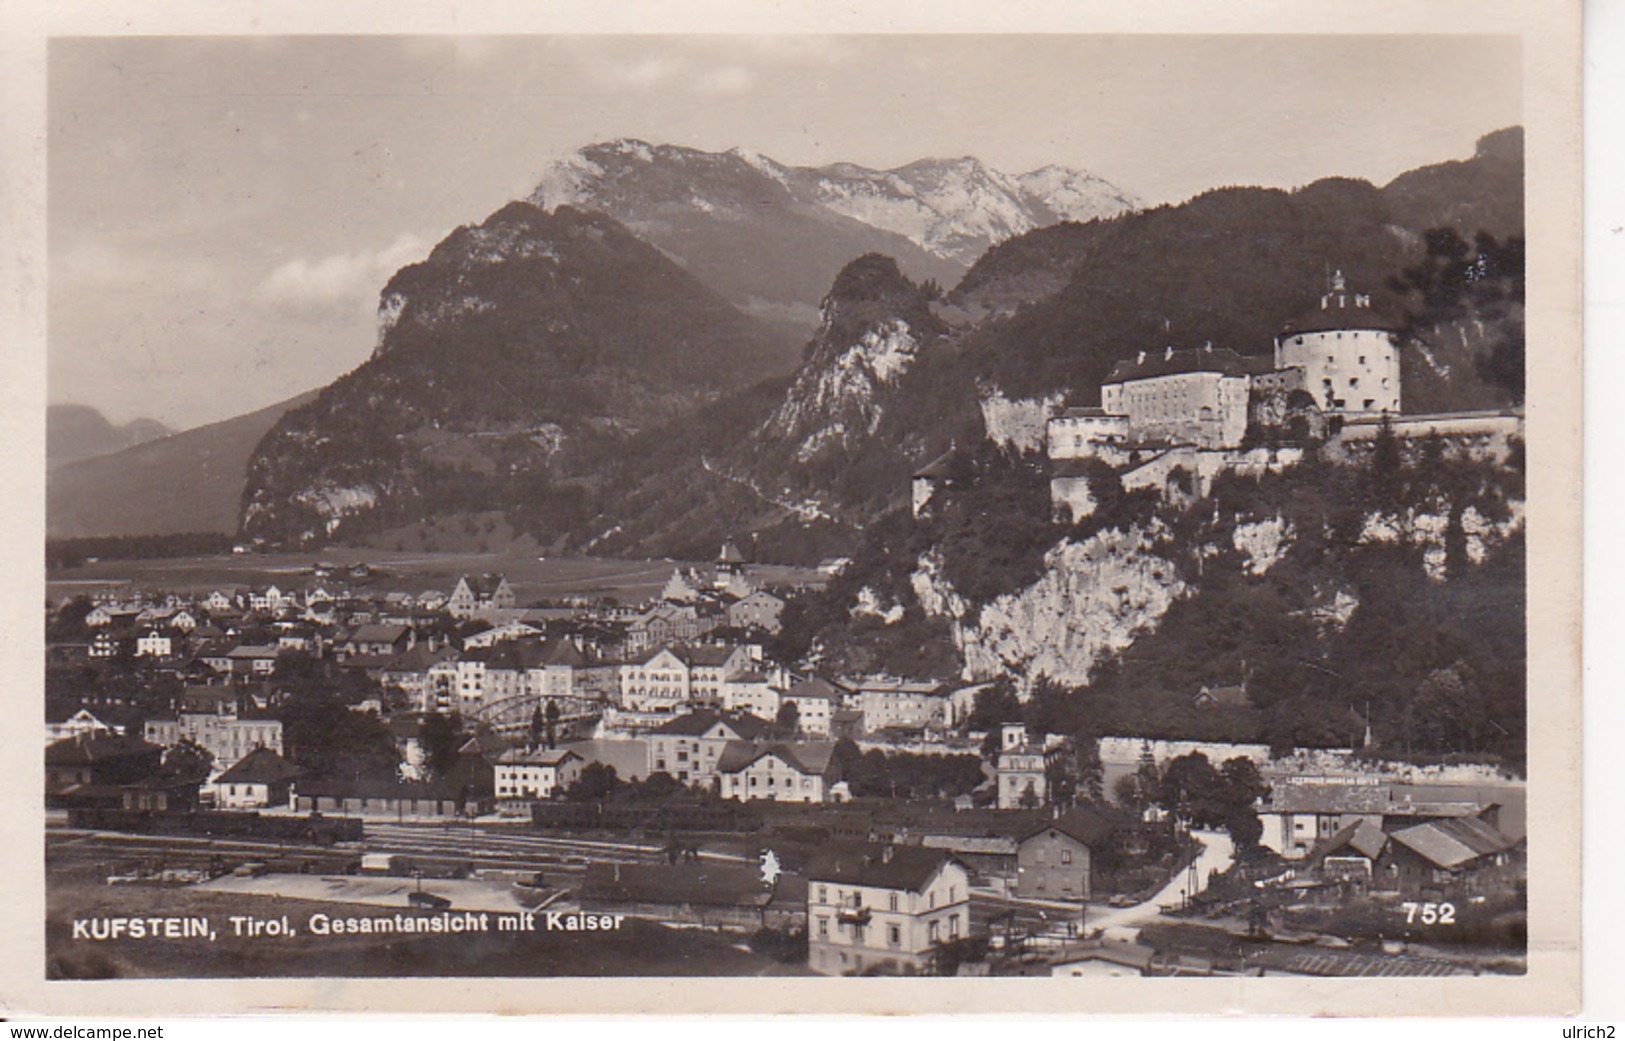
{"x": 1175, "y": 419}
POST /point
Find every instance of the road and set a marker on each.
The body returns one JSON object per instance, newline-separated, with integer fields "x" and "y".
{"x": 1218, "y": 852}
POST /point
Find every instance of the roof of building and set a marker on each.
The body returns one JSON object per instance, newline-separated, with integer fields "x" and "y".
{"x": 484, "y": 586}
{"x": 1320, "y": 961}
{"x": 1225, "y": 697}
{"x": 908, "y": 868}
{"x": 1118, "y": 952}
{"x": 537, "y": 756}
{"x": 1085, "y": 824}
{"x": 1340, "y": 308}
{"x": 1454, "y": 842}
{"x": 261, "y": 766}
{"x": 384, "y": 788}
{"x": 375, "y": 633}
{"x": 989, "y": 845}
{"x": 808, "y": 757}
{"x": 96, "y": 747}
{"x": 1361, "y": 837}
{"x": 1168, "y": 362}
{"x": 730, "y": 554}
{"x": 1072, "y": 469}
{"x": 693, "y": 724}
{"x": 203, "y": 697}
{"x": 814, "y": 687}
{"x": 368, "y": 661}
{"x": 707, "y": 883}
{"x": 1087, "y": 412}
{"x": 420, "y": 658}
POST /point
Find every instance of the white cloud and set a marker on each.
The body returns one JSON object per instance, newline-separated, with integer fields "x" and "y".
{"x": 340, "y": 277}
{"x": 730, "y": 79}
{"x": 636, "y": 75}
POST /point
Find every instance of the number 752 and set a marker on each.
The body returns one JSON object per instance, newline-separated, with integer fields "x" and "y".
{"x": 1429, "y": 914}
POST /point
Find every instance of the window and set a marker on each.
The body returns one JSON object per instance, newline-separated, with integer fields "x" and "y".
{"x": 823, "y": 927}
{"x": 894, "y": 935}
{"x": 823, "y": 894}
{"x": 953, "y": 927}
{"x": 933, "y": 932}
{"x": 891, "y": 901}
{"x": 1066, "y": 856}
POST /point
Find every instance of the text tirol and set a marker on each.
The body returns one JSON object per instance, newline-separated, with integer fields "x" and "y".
{"x": 579, "y": 923}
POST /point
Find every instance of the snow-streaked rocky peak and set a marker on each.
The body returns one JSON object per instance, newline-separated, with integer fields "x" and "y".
{"x": 953, "y": 208}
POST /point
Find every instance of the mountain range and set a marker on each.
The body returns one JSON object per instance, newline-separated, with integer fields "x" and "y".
{"x": 612, "y": 364}
{"x": 772, "y": 237}
{"x": 181, "y": 483}
{"x": 79, "y": 432}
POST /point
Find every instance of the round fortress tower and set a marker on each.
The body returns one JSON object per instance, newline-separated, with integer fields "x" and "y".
{"x": 1347, "y": 351}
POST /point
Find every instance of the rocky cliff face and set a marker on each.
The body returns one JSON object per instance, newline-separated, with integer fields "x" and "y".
{"x": 1093, "y": 600}
{"x": 874, "y": 325}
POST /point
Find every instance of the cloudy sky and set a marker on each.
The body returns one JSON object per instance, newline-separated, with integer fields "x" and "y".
{"x": 224, "y": 211}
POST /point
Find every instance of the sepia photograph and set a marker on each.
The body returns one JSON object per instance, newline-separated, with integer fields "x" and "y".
{"x": 846, "y": 505}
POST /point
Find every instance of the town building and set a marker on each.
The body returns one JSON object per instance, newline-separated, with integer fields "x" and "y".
{"x": 154, "y": 644}
{"x": 778, "y": 771}
{"x": 1302, "y": 812}
{"x": 210, "y": 718}
{"x": 498, "y": 633}
{"x": 98, "y": 759}
{"x": 1055, "y": 860}
{"x": 81, "y": 722}
{"x": 730, "y": 566}
{"x": 247, "y": 659}
{"x": 816, "y": 701}
{"x": 1451, "y": 859}
{"x": 1021, "y": 770}
{"x": 888, "y": 701}
{"x": 1106, "y": 958}
{"x": 753, "y": 692}
{"x": 711, "y": 895}
{"x": 760, "y": 610}
{"x": 380, "y": 640}
{"x": 524, "y": 775}
{"x": 480, "y": 595}
{"x": 884, "y": 908}
{"x": 657, "y": 681}
{"x": 388, "y": 798}
{"x": 690, "y": 746}
{"x": 260, "y": 779}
